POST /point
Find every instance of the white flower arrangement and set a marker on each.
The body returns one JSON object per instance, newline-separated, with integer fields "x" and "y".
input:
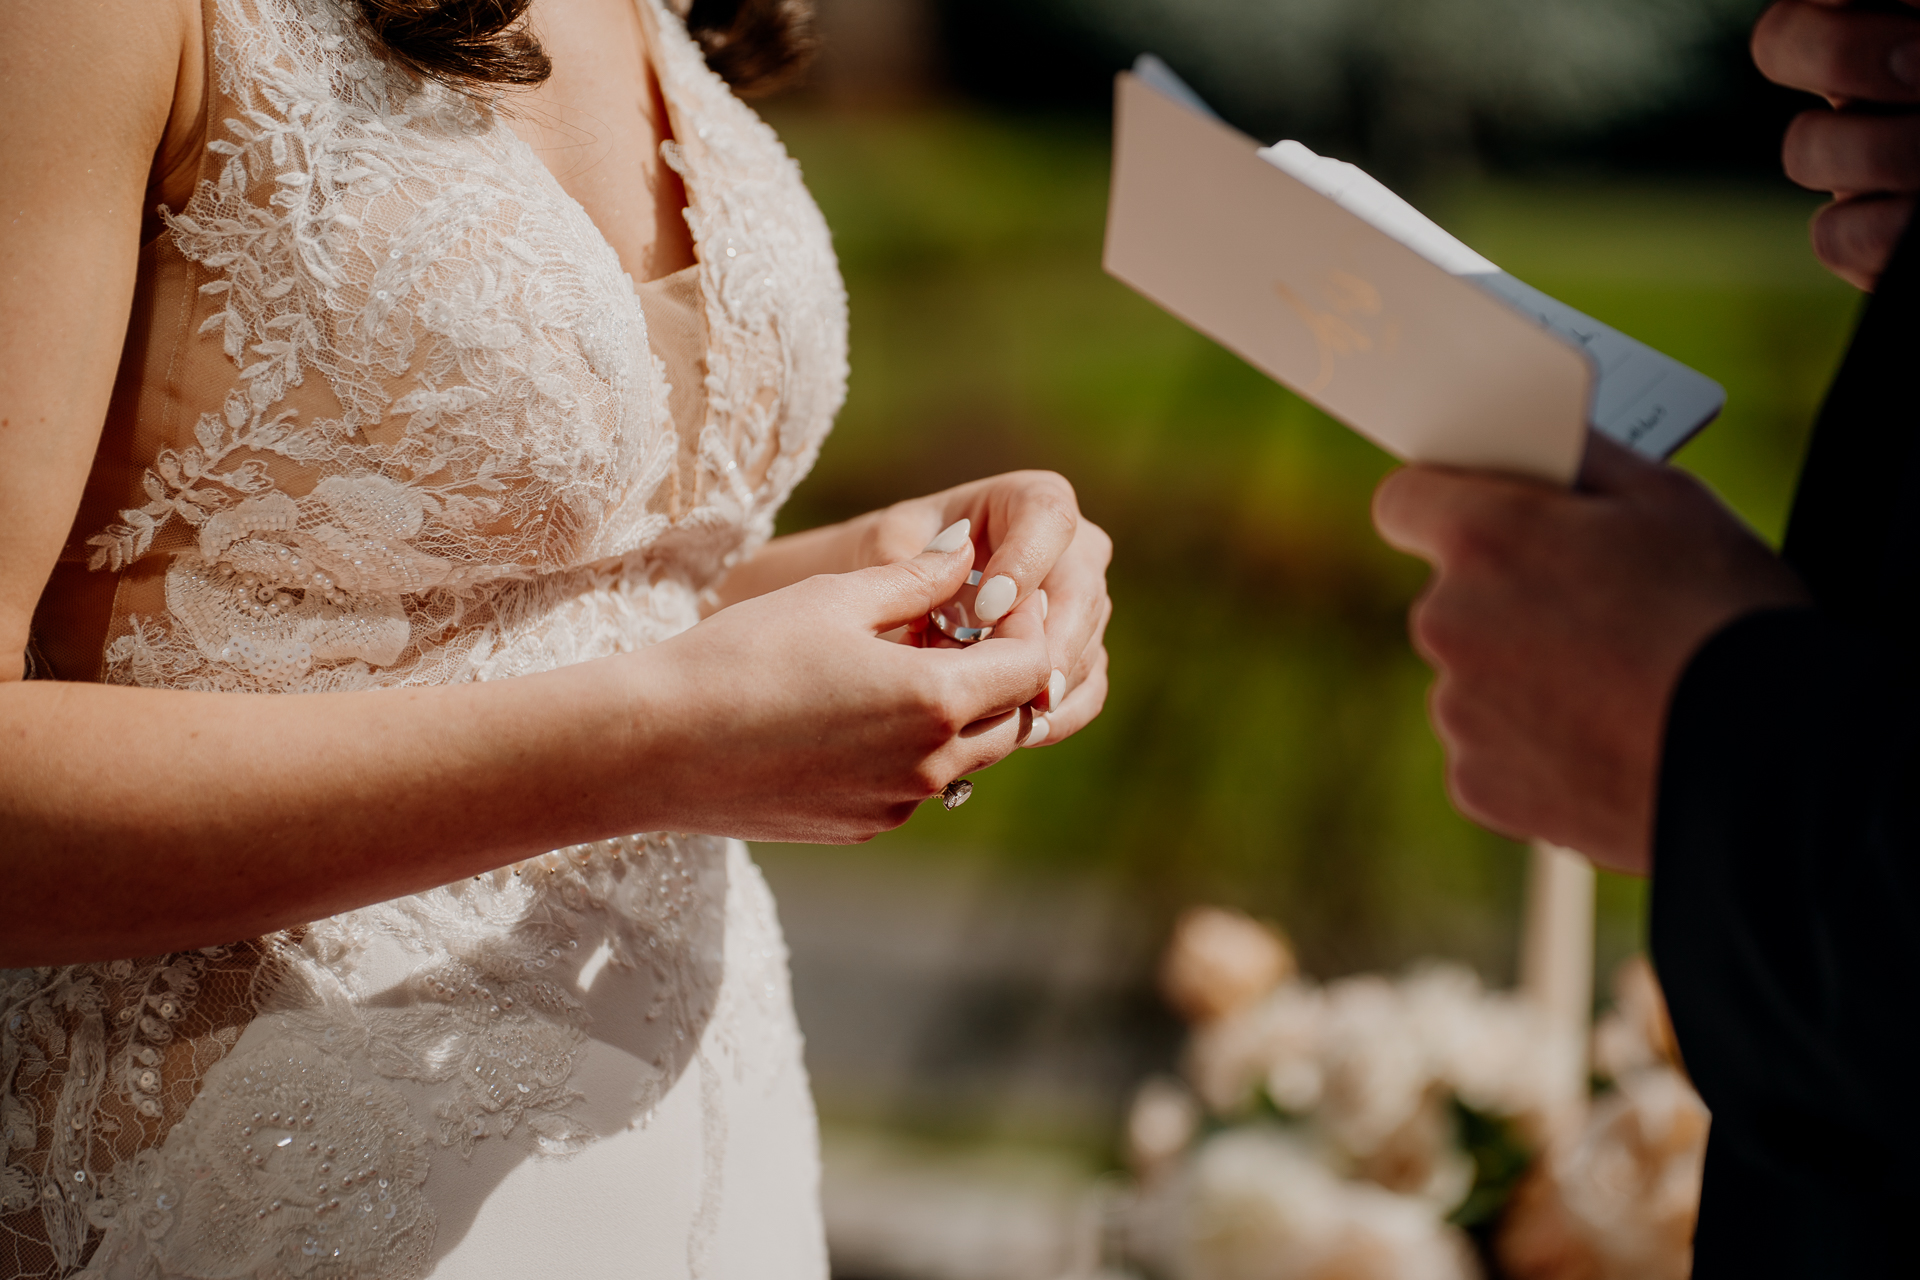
{"x": 1355, "y": 1130}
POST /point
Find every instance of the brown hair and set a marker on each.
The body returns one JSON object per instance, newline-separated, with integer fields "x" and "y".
{"x": 756, "y": 45}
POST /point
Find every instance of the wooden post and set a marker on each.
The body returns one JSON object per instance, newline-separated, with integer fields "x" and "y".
{"x": 1556, "y": 963}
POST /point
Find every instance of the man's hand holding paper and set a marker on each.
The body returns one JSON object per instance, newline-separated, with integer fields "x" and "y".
{"x": 1559, "y": 619}
{"x": 1559, "y": 623}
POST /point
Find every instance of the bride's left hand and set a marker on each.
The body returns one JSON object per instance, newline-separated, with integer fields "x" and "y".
{"x": 1035, "y": 538}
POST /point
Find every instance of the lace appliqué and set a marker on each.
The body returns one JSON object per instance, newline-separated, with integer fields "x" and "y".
{"x": 489, "y": 1014}
{"x": 775, "y": 300}
{"x": 487, "y": 410}
{"x": 288, "y": 1167}
{"x": 494, "y": 1014}
{"x": 95, "y": 1062}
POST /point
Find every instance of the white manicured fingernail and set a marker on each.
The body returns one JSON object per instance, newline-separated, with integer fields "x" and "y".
{"x": 1056, "y": 689}
{"x": 1042, "y": 593}
{"x": 995, "y": 598}
{"x": 1038, "y": 733}
{"x": 953, "y": 537}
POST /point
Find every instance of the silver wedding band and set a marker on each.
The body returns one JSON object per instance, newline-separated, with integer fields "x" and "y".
{"x": 945, "y": 623}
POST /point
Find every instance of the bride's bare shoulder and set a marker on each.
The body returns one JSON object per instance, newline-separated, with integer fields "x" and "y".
{"x": 97, "y": 100}
{"x": 123, "y": 56}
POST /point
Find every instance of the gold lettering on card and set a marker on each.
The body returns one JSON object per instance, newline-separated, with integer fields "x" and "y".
{"x": 1344, "y": 317}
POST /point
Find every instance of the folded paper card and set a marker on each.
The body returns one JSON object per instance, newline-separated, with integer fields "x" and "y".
{"x": 1330, "y": 283}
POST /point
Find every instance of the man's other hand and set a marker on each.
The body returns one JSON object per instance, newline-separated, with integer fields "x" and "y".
{"x": 1559, "y": 623}
{"x": 1863, "y": 147}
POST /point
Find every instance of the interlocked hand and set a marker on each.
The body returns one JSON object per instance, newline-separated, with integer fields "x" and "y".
{"x": 1036, "y": 541}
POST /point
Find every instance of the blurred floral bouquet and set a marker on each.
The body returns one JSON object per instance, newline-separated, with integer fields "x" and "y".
{"x": 1418, "y": 1129}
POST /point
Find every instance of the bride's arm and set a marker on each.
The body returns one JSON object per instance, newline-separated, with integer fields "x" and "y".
{"x": 139, "y": 820}
{"x": 135, "y": 821}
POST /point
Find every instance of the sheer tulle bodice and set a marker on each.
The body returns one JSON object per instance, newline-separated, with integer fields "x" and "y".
{"x": 393, "y": 414}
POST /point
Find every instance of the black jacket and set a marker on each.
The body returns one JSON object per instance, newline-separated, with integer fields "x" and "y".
{"x": 1786, "y": 870}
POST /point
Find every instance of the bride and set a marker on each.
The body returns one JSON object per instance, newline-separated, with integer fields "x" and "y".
{"x": 447, "y": 362}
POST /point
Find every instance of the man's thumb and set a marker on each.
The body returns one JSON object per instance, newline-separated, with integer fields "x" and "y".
{"x": 1611, "y": 467}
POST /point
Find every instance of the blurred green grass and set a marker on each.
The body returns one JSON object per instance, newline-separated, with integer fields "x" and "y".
{"x": 1265, "y": 743}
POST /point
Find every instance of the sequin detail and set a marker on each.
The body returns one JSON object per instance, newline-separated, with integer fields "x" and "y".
{"x": 289, "y": 1165}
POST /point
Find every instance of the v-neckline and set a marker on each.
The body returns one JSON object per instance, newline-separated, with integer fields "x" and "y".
{"x": 650, "y": 15}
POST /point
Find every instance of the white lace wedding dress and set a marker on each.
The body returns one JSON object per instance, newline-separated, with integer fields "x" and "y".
{"x": 393, "y": 414}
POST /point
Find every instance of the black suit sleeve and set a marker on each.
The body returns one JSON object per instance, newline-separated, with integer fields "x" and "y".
{"x": 1786, "y": 931}
{"x": 1785, "y": 925}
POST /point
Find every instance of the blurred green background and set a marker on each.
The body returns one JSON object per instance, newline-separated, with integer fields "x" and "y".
{"x": 1265, "y": 744}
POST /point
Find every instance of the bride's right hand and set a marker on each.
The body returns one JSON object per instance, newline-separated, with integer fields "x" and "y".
{"x": 787, "y": 717}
